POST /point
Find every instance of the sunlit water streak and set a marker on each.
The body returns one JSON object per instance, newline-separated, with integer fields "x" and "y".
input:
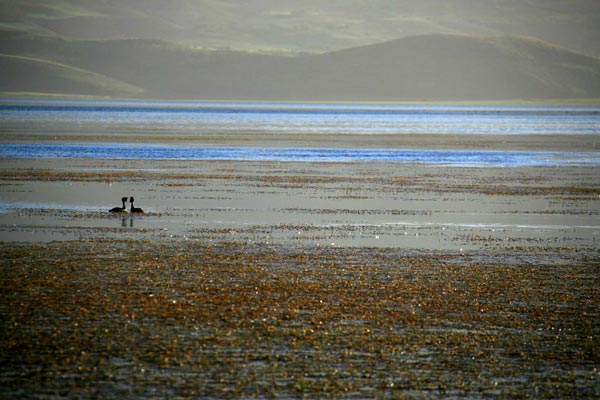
{"x": 207, "y": 117}
{"x": 162, "y": 152}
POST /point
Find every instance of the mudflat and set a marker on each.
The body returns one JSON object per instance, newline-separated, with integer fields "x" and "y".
{"x": 513, "y": 142}
{"x": 279, "y": 279}
{"x": 161, "y": 319}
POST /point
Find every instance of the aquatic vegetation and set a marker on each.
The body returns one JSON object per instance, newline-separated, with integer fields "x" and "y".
{"x": 146, "y": 318}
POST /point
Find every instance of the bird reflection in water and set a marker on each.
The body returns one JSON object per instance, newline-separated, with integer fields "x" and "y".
{"x": 127, "y": 220}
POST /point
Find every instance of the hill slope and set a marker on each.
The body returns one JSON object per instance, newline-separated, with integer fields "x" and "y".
{"x": 34, "y": 75}
{"x": 309, "y": 25}
{"x": 430, "y": 67}
{"x": 446, "y": 67}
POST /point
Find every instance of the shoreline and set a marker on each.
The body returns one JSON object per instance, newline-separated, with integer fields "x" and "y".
{"x": 511, "y": 102}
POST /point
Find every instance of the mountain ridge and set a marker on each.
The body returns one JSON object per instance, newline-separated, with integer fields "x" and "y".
{"x": 418, "y": 68}
{"x": 310, "y": 26}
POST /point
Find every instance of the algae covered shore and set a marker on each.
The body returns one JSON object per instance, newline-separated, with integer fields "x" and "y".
{"x": 287, "y": 280}
{"x": 154, "y": 319}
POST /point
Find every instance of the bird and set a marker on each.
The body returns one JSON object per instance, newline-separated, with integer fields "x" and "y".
{"x": 135, "y": 209}
{"x": 120, "y": 209}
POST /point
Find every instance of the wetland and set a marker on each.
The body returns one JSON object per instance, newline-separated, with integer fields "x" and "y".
{"x": 249, "y": 278}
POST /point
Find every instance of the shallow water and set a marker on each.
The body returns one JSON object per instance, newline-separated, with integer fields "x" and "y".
{"x": 231, "y": 201}
{"x": 326, "y": 119}
{"x": 164, "y": 152}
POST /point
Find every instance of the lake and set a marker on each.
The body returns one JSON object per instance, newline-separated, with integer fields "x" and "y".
{"x": 329, "y": 119}
{"x": 105, "y": 119}
{"x": 165, "y": 152}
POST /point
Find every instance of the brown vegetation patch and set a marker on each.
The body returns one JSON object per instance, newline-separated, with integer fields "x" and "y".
{"x": 141, "y": 318}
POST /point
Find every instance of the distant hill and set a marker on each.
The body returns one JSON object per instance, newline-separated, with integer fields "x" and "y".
{"x": 314, "y": 26}
{"x": 426, "y": 67}
{"x": 34, "y": 75}
{"x": 446, "y": 67}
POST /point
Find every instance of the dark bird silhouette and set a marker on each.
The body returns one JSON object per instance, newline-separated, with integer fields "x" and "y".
{"x": 120, "y": 209}
{"x": 135, "y": 209}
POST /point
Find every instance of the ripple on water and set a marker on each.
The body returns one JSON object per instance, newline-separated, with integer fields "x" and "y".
{"x": 464, "y": 158}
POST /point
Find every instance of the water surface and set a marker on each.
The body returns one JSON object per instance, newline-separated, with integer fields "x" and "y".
{"x": 163, "y": 152}
{"x": 210, "y": 117}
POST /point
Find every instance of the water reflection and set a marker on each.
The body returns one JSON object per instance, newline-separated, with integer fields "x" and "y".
{"x": 127, "y": 220}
